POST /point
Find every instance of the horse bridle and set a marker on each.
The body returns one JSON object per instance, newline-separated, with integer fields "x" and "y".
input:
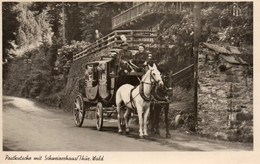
{"x": 153, "y": 83}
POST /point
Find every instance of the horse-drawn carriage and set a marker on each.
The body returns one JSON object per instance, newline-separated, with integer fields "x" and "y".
{"x": 101, "y": 82}
{"x": 100, "y": 91}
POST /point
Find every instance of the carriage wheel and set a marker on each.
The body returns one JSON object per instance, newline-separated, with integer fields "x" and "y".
{"x": 78, "y": 111}
{"x": 99, "y": 116}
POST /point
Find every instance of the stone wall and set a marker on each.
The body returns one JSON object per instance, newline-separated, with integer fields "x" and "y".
{"x": 225, "y": 98}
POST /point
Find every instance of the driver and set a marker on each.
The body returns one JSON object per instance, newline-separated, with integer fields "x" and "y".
{"x": 123, "y": 57}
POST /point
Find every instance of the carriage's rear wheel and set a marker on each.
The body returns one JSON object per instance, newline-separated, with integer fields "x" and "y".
{"x": 99, "y": 116}
{"x": 78, "y": 111}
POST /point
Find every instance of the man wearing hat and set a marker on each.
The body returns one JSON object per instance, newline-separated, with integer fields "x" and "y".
{"x": 122, "y": 59}
{"x": 124, "y": 56}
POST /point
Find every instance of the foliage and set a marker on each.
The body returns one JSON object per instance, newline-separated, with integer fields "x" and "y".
{"x": 65, "y": 53}
{"x": 182, "y": 101}
{"x": 73, "y": 22}
{"x": 10, "y": 25}
{"x": 33, "y": 30}
{"x": 176, "y": 32}
{"x": 219, "y": 26}
{"x": 98, "y": 18}
{"x": 75, "y": 47}
{"x": 229, "y": 29}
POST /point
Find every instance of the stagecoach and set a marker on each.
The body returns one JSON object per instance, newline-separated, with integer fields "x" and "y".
{"x": 97, "y": 91}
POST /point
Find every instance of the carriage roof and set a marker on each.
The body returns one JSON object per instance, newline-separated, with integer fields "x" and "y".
{"x": 104, "y": 60}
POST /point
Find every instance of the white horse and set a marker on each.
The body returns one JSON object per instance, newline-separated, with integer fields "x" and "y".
{"x": 138, "y": 98}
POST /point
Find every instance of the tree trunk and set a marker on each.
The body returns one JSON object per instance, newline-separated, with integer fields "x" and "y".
{"x": 197, "y": 37}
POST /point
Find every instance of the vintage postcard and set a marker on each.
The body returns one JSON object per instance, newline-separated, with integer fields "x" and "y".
{"x": 129, "y": 81}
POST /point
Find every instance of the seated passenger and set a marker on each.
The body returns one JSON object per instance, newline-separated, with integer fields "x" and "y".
{"x": 149, "y": 61}
{"x": 140, "y": 57}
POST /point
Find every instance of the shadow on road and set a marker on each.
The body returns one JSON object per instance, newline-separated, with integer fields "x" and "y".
{"x": 134, "y": 134}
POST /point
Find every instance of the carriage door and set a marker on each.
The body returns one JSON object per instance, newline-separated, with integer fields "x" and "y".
{"x": 91, "y": 78}
{"x": 103, "y": 80}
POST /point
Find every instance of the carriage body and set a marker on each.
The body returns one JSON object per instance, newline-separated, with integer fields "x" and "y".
{"x": 101, "y": 81}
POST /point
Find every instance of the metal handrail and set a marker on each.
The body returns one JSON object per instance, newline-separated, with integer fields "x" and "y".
{"x": 179, "y": 77}
{"x": 181, "y": 71}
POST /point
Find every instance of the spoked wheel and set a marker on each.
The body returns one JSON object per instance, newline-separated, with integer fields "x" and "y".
{"x": 78, "y": 111}
{"x": 99, "y": 116}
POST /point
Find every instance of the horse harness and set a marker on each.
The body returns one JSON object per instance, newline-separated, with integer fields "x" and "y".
{"x": 141, "y": 91}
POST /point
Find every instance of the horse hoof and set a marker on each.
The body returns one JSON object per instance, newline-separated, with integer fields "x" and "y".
{"x": 142, "y": 137}
{"x": 120, "y": 132}
{"x": 127, "y": 131}
{"x": 168, "y": 135}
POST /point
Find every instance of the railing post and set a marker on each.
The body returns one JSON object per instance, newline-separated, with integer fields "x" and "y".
{"x": 113, "y": 23}
{"x": 115, "y": 39}
{"x": 131, "y": 38}
{"x": 137, "y": 10}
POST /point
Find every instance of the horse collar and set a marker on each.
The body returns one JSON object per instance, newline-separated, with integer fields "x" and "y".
{"x": 141, "y": 90}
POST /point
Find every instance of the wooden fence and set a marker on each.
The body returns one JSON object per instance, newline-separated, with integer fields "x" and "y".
{"x": 141, "y": 10}
{"x": 134, "y": 37}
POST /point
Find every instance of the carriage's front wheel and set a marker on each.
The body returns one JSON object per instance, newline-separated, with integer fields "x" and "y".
{"x": 99, "y": 116}
{"x": 78, "y": 111}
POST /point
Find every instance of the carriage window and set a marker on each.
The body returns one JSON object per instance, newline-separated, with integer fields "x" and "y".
{"x": 90, "y": 72}
{"x": 103, "y": 71}
{"x": 95, "y": 73}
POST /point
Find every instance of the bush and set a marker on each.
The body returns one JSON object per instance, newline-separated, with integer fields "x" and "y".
{"x": 65, "y": 53}
{"x": 182, "y": 94}
{"x": 181, "y": 114}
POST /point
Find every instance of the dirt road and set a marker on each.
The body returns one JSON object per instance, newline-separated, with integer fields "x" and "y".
{"x": 29, "y": 126}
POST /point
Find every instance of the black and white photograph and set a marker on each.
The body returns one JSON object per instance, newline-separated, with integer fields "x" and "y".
{"x": 126, "y": 76}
